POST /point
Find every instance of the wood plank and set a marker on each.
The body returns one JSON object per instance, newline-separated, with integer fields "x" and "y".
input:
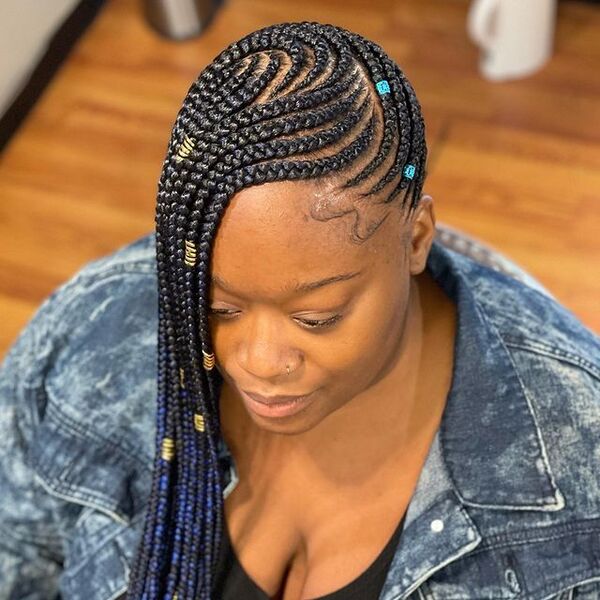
{"x": 516, "y": 164}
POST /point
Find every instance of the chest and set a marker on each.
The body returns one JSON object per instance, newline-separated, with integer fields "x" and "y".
{"x": 304, "y": 543}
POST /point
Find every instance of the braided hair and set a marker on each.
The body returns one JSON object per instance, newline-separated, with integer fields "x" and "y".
{"x": 294, "y": 101}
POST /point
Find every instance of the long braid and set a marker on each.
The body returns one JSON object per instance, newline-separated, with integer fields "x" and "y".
{"x": 289, "y": 102}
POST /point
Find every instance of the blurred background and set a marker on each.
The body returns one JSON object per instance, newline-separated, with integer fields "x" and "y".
{"x": 89, "y": 91}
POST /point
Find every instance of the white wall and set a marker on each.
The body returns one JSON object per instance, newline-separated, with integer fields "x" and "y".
{"x": 26, "y": 26}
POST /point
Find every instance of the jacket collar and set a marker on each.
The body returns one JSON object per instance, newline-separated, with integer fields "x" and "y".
{"x": 490, "y": 440}
{"x": 488, "y": 452}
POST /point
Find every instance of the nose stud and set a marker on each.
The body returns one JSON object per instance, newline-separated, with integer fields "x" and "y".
{"x": 287, "y": 368}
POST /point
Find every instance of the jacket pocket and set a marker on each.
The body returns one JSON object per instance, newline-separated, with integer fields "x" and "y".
{"x": 99, "y": 558}
{"x": 102, "y": 489}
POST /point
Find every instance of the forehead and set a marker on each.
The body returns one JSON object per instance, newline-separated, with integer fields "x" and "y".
{"x": 274, "y": 236}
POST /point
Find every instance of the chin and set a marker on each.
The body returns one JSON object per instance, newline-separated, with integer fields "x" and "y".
{"x": 294, "y": 425}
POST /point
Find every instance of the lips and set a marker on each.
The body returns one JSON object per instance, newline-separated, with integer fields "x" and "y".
{"x": 274, "y": 400}
{"x": 276, "y": 407}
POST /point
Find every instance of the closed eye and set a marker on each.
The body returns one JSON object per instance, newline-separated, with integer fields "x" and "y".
{"x": 226, "y": 313}
{"x": 318, "y": 323}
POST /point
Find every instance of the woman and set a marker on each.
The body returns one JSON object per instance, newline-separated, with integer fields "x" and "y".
{"x": 345, "y": 408}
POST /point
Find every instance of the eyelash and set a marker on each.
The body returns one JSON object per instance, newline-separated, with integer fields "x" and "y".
{"x": 307, "y": 323}
{"x": 319, "y": 323}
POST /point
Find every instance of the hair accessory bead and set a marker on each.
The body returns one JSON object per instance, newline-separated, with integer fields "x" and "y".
{"x": 185, "y": 148}
{"x": 199, "y": 422}
{"x": 383, "y": 87}
{"x": 409, "y": 171}
{"x": 167, "y": 449}
{"x": 208, "y": 360}
{"x": 182, "y": 379}
{"x": 190, "y": 253}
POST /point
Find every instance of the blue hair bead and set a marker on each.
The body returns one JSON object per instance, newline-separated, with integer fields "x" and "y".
{"x": 409, "y": 171}
{"x": 383, "y": 87}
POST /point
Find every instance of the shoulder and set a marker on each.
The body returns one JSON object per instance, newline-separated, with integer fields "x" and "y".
{"x": 557, "y": 362}
{"x": 556, "y": 357}
{"x": 117, "y": 269}
{"x": 522, "y": 440}
{"x": 84, "y": 374}
{"x": 94, "y": 343}
{"x": 100, "y": 305}
{"x": 89, "y": 364}
{"x": 78, "y": 390}
{"x": 540, "y": 352}
{"x": 126, "y": 277}
{"x": 526, "y": 317}
{"x": 531, "y": 320}
{"x": 96, "y": 356}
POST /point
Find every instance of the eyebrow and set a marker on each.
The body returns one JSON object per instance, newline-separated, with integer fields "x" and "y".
{"x": 298, "y": 287}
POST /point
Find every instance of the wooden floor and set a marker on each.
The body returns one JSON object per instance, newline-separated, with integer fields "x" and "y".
{"x": 516, "y": 164}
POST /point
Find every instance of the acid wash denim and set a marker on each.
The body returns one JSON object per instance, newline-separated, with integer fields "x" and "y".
{"x": 507, "y": 505}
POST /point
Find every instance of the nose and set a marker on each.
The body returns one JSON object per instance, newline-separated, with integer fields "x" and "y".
{"x": 265, "y": 350}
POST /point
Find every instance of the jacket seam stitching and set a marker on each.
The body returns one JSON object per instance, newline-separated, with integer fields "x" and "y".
{"x": 557, "y": 494}
{"x": 558, "y": 497}
{"x": 558, "y": 354}
{"x": 85, "y": 433}
{"x": 86, "y": 498}
{"x": 544, "y": 538}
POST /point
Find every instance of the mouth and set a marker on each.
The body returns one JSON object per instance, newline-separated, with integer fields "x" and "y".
{"x": 275, "y": 406}
{"x": 270, "y": 400}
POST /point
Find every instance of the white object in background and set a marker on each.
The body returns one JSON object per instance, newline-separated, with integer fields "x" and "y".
{"x": 516, "y": 36}
{"x": 26, "y": 27}
{"x": 179, "y": 19}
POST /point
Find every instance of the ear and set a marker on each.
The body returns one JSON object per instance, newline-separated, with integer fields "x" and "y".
{"x": 422, "y": 234}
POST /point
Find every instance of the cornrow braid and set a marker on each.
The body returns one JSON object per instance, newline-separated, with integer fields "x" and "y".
{"x": 295, "y": 101}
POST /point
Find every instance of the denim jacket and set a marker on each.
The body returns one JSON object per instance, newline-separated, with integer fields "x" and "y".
{"x": 507, "y": 505}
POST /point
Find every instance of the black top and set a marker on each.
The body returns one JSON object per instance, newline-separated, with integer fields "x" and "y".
{"x": 233, "y": 583}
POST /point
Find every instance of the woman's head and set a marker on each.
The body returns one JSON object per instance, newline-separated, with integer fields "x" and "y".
{"x": 314, "y": 139}
{"x": 299, "y": 308}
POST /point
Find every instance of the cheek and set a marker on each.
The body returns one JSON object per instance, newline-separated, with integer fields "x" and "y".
{"x": 221, "y": 340}
{"x": 373, "y": 330}
{"x": 348, "y": 357}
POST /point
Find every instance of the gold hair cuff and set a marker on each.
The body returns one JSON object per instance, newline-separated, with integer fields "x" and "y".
{"x": 199, "y": 422}
{"x": 185, "y": 148}
{"x": 167, "y": 449}
{"x": 208, "y": 360}
{"x": 190, "y": 253}
{"x": 182, "y": 379}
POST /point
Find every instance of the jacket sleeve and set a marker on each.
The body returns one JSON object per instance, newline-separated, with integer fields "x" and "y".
{"x": 30, "y": 544}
